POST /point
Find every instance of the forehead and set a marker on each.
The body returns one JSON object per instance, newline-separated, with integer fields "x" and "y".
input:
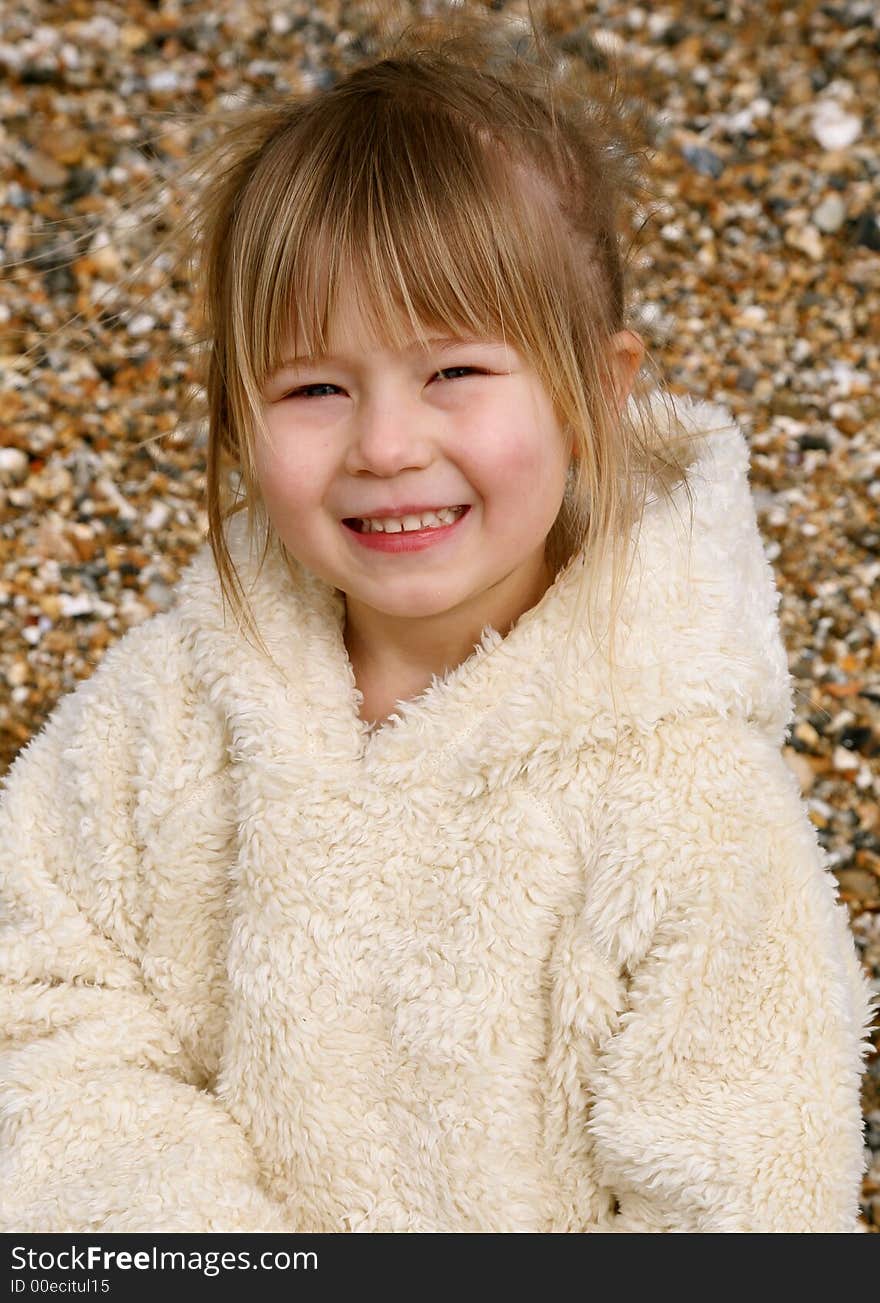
{"x": 351, "y": 334}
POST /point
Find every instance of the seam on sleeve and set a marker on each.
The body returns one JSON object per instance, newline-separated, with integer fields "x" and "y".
{"x": 195, "y": 793}
{"x": 551, "y": 817}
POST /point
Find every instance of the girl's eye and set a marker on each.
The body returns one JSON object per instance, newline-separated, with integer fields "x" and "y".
{"x": 305, "y": 390}
{"x": 446, "y": 370}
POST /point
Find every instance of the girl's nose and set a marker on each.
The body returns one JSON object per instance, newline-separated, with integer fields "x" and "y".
{"x": 388, "y": 439}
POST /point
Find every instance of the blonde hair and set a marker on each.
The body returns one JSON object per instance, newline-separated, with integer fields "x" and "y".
{"x": 467, "y": 176}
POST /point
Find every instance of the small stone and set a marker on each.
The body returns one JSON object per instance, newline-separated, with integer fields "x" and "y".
{"x": 82, "y": 181}
{"x": 830, "y": 215}
{"x": 753, "y": 315}
{"x": 76, "y": 604}
{"x": 157, "y": 517}
{"x": 132, "y": 37}
{"x": 50, "y": 604}
{"x": 833, "y": 127}
{"x": 84, "y": 542}
{"x": 819, "y": 812}
{"x": 858, "y": 737}
{"x": 44, "y": 170}
{"x": 807, "y": 239}
{"x": 51, "y": 482}
{"x": 702, "y": 160}
{"x": 18, "y": 673}
{"x": 159, "y": 594}
{"x": 813, "y": 443}
{"x": 141, "y": 324}
{"x": 52, "y": 543}
{"x": 166, "y": 80}
{"x": 67, "y": 146}
{"x": 105, "y": 261}
{"x": 801, "y": 768}
{"x": 132, "y": 611}
{"x": 867, "y": 231}
{"x": 844, "y": 760}
{"x": 14, "y": 464}
{"x": 859, "y": 883}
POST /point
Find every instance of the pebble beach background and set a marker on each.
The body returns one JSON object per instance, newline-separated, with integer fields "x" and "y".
{"x": 757, "y": 285}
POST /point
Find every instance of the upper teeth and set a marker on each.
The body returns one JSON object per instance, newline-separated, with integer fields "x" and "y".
{"x": 426, "y": 520}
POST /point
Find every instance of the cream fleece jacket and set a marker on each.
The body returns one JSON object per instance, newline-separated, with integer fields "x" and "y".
{"x": 510, "y": 963}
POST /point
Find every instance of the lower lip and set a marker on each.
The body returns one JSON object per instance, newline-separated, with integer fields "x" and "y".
{"x": 410, "y": 540}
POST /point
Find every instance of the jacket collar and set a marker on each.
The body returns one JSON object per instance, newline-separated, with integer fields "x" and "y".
{"x": 697, "y": 634}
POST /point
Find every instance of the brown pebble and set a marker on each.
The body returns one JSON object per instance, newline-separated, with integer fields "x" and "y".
{"x": 805, "y": 733}
{"x": 51, "y": 483}
{"x": 18, "y": 673}
{"x": 52, "y": 542}
{"x": 50, "y": 604}
{"x": 67, "y": 146}
{"x": 44, "y": 170}
{"x": 869, "y": 860}
{"x": 132, "y": 37}
{"x": 802, "y": 766}
{"x": 85, "y": 546}
{"x": 860, "y": 884}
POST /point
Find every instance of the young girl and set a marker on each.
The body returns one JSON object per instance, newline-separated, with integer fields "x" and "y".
{"x": 473, "y": 892}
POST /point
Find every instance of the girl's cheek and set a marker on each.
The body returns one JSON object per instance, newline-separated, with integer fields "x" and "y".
{"x": 289, "y": 459}
{"x": 515, "y": 456}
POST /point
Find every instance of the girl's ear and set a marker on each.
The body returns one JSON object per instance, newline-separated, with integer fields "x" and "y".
{"x": 626, "y": 352}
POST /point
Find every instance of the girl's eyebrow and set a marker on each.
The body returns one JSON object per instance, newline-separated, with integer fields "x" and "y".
{"x": 413, "y": 348}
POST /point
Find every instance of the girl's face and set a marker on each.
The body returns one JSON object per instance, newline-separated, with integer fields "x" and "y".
{"x": 369, "y": 433}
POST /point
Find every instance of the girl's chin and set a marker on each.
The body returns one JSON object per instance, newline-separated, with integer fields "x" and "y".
{"x": 408, "y": 602}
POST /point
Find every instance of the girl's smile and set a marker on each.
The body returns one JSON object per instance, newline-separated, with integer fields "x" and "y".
{"x": 400, "y": 537}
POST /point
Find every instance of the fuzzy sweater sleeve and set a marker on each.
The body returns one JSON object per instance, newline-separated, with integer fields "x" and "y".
{"x": 728, "y": 1097}
{"x": 103, "y": 1126}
